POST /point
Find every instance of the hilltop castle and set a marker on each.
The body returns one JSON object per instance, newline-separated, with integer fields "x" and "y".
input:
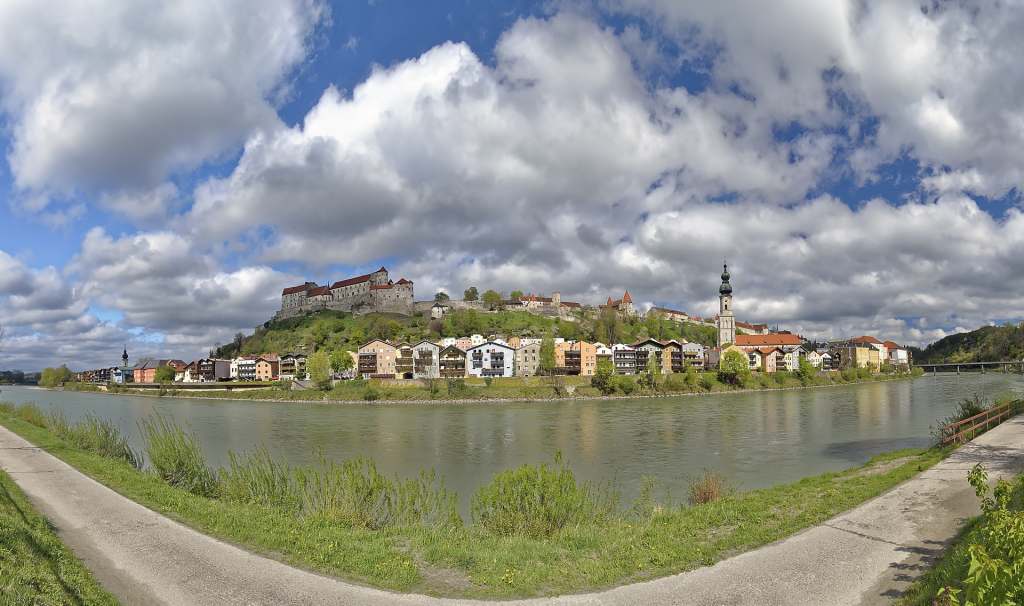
{"x": 372, "y": 292}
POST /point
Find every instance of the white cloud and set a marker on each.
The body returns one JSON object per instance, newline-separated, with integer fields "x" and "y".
{"x": 114, "y": 94}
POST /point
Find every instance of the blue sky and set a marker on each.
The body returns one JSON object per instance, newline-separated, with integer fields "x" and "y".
{"x": 167, "y": 172}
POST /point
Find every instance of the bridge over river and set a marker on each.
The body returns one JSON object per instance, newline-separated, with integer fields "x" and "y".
{"x": 958, "y": 367}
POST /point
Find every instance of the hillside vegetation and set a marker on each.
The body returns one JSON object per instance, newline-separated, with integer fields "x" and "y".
{"x": 333, "y": 330}
{"x": 986, "y": 344}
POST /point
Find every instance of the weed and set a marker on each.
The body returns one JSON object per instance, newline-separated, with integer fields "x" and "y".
{"x": 707, "y": 488}
{"x": 176, "y": 456}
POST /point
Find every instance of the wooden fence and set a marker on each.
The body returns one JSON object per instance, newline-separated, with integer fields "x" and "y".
{"x": 967, "y": 429}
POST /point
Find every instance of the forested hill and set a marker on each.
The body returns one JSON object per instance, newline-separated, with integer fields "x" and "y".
{"x": 986, "y": 344}
{"x": 337, "y": 330}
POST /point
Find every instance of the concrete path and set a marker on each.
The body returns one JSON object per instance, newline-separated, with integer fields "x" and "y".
{"x": 865, "y": 556}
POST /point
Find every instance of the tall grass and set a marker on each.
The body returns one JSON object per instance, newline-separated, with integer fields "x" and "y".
{"x": 30, "y": 413}
{"x": 95, "y": 435}
{"x": 176, "y": 457}
{"x": 257, "y": 479}
{"x": 707, "y": 488}
{"x": 539, "y": 500}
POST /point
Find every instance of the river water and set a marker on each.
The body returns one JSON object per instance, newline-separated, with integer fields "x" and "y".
{"x": 754, "y": 439}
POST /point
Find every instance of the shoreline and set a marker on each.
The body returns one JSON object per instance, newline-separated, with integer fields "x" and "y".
{"x": 468, "y": 401}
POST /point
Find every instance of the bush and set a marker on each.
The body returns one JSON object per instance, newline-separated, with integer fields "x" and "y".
{"x": 603, "y": 377}
{"x": 355, "y": 494}
{"x": 733, "y": 368}
{"x": 176, "y": 456}
{"x": 257, "y": 479}
{"x": 371, "y": 394}
{"x": 707, "y": 381}
{"x": 99, "y": 436}
{"x": 675, "y": 382}
{"x": 624, "y": 384}
{"x": 30, "y": 413}
{"x": 690, "y": 377}
{"x": 537, "y": 501}
{"x": 456, "y": 387}
{"x": 707, "y": 488}
{"x": 488, "y": 381}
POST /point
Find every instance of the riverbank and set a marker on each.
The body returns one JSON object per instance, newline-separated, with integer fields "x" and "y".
{"x": 499, "y": 391}
{"x": 644, "y": 540}
{"x": 35, "y": 566}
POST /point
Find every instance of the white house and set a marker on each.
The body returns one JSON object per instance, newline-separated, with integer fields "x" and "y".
{"x": 791, "y": 357}
{"x": 814, "y": 359}
{"x": 448, "y": 342}
{"x": 475, "y": 340}
{"x": 490, "y": 359}
{"x": 426, "y": 357}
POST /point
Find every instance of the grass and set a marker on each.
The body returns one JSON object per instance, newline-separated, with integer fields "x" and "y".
{"x": 398, "y": 534}
{"x": 35, "y": 567}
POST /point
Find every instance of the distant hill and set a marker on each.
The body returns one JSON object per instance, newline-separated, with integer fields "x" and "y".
{"x": 986, "y": 344}
{"x": 339, "y": 330}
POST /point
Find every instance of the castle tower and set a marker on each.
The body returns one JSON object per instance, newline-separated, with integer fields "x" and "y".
{"x": 726, "y": 321}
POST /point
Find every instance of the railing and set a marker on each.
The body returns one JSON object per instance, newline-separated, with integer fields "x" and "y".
{"x": 967, "y": 429}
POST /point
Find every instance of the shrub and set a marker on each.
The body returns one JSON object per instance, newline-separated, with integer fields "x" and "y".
{"x": 707, "y": 381}
{"x": 690, "y": 376}
{"x": 99, "y": 436}
{"x": 733, "y": 368}
{"x": 257, "y": 479}
{"x": 488, "y": 381}
{"x": 456, "y": 387}
{"x": 624, "y": 384}
{"x": 30, "y": 413}
{"x": 707, "y": 487}
{"x": 675, "y": 382}
{"x": 176, "y": 456}
{"x": 371, "y": 394}
{"x": 603, "y": 377}
{"x": 537, "y": 501}
{"x": 355, "y": 494}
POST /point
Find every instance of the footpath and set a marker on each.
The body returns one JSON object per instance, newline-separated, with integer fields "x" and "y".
{"x": 868, "y": 555}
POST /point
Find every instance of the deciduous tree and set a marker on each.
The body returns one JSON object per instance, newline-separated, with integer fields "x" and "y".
{"x": 319, "y": 368}
{"x": 471, "y": 294}
{"x": 492, "y": 299}
{"x": 733, "y": 368}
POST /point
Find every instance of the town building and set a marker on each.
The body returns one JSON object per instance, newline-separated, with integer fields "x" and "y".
{"x": 624, "y": 358}
{"x": 490, "y": 359}
{"x": 377, "y": 359}
{"x": 603, "y": 352}
{"x": 527, "y": 359}
{"x": 552, "y": 306}
{"x": 452, "y": 362}
{"x": 670, "y": 314}
{"x": 426, "y": 360}
{"x": 580, "y": 358}
{"x": 267, "y": 368}
{"x": 897, "y": 355}
{"x": 372, "y": 292}
{"x": 623, "y": 307}
{"x": 644, "y": 352}
{"x": 693, "y": 355}
{"x": 293, "y": 366}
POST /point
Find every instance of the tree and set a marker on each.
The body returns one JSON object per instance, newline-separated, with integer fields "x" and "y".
{"x": 319, "y": 368}
{"x": 603, "y": 375}
{"x": 806, "y": 371}
{"x": 652, "y": 372}
{"x": 164, "y": 374}
{"x": 492, "y": 299}
{"x": 733, "y": 368}
{"x": 515, "y": 295}
{"x": 52, "y": 377}
{"x": 608, "y": 327}
{"x": 546, "y": 364}
{"x": 341, "y": 360}
{"x": 471, "y": 294}
{"x": 654, "y": 322}
{"x": 441, "y": 297}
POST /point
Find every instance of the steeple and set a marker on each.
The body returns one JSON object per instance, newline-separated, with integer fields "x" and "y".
{"x": 124, "y": 356}
{"x": 725, "y": 288}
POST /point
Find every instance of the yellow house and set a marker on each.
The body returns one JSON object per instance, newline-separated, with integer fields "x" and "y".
{"x": 377, "y": 358}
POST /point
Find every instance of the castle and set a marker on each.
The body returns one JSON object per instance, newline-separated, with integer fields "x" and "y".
{"x": 372, "y": 292}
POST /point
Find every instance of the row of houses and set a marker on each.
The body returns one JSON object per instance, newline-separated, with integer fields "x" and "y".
{"x": 475, "y": 356}
{"x": 783, "y": 351}
{"x": 265, "y": 367}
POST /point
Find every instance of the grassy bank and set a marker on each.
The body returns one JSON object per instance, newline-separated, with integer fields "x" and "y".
{"x": 534, "y": 530}
{"x": 532, "y": 388}
{"x": 986, "y": 563}
{"x": 35, "y": 567}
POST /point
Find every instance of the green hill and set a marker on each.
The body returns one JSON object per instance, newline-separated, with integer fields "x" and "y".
{"x": 334, "y": 330}
{"x": 986, "y": 344}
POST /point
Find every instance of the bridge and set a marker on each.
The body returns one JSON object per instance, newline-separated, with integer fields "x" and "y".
{"x": 957, "y": 367}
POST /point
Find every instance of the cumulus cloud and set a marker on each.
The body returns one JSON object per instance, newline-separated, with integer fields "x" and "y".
{"x": 119, "y": 94}
{"x": 942, "y": 79}
{"x": 443, "y": 152}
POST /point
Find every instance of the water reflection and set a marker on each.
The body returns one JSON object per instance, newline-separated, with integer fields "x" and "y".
{"x": 755, "y": 439}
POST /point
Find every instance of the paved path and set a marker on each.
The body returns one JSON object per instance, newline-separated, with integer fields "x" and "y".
{"x": 865, "y": 556}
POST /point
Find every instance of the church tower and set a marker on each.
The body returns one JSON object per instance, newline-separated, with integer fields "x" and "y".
{"x": 726, "y": 321}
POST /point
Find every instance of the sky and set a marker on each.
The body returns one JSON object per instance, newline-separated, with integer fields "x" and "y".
{"x": 167, "y": 169}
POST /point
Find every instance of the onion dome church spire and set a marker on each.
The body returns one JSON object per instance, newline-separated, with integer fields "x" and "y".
{"x": 725, "y": 288}
{"x": 124, "y": 356}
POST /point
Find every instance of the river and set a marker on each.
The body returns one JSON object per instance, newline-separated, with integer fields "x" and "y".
{"x": 754, "y": 439}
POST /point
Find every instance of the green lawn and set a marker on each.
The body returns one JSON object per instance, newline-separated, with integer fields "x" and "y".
{"x": 35, "y": 567}
{"x": 468, "y": 560}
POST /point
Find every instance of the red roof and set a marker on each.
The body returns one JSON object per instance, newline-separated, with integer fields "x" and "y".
{"x": 295, "y": 289}
{"x": 318, "y": 291}
{"x": 773, "y": 339}
{"x": 404, "y": 281}
{"x": 626, "y": 298}
{"x": 891, "y": 345}
{"x": 380, "y": 286}
{"x": 351, "y": 281}
{"x": 866, "y": 339}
